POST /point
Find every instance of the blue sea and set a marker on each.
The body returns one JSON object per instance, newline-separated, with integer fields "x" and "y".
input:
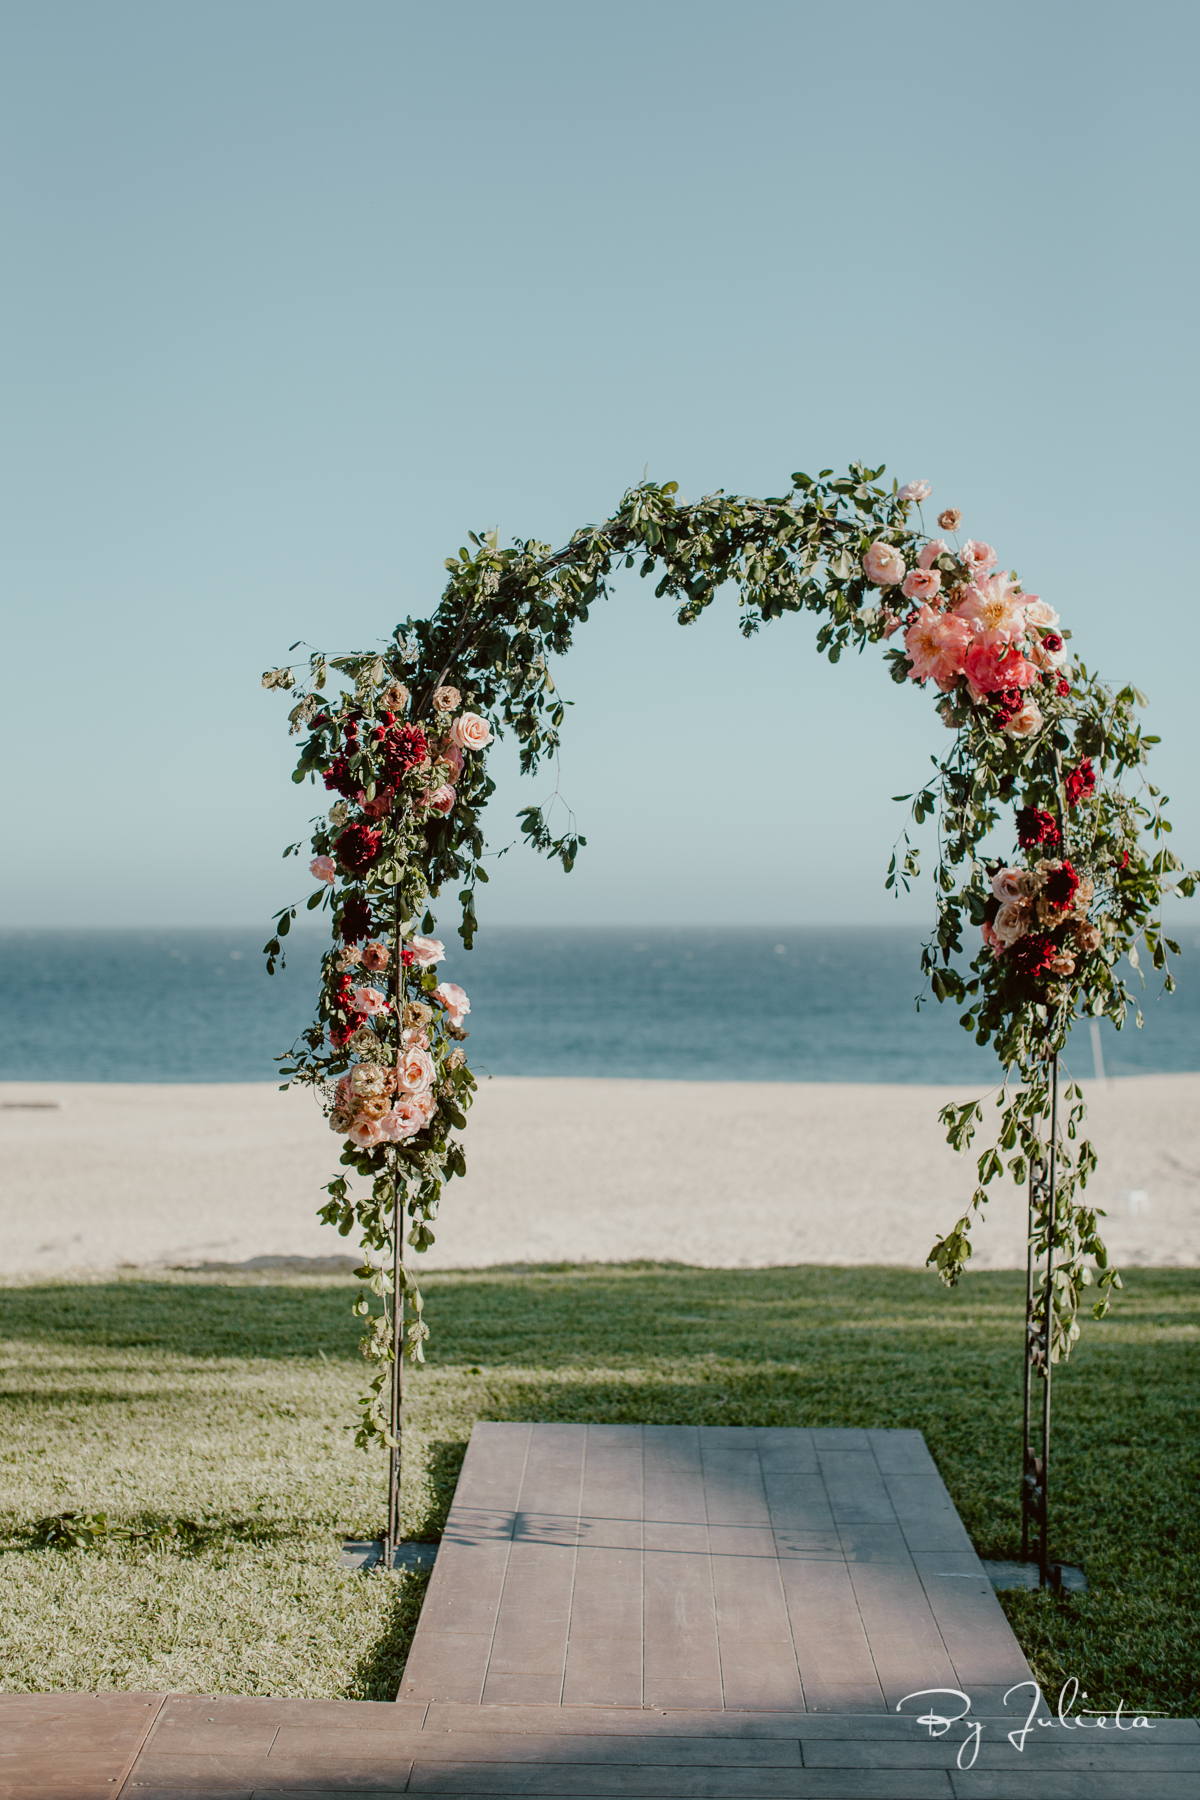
{"x": 813, "y": 1003}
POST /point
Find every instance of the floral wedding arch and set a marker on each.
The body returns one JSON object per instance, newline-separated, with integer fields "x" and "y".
{"x": 402, "y": 744}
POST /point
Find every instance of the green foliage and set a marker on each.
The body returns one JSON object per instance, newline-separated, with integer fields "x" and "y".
{"x": 506, "y": 611}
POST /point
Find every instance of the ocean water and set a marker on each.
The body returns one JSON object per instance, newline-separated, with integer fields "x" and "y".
{"x": 792, "y": 1003}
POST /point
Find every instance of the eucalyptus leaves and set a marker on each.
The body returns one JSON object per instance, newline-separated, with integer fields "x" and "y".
{"x": 402, "y": 742}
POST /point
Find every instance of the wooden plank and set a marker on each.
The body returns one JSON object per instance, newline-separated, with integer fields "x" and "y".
{"x": 375, "y": 1770}
{"x": 906, "y": 1645}
{"x": 1064, "y": 1785}
{"x": 837, "y": 1671}
{"x": 635, "y": 1721}
{"x": 658, "y": 1783}
{"x": 604, "y": 1646}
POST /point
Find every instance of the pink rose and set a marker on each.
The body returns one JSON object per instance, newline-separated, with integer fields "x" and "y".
{"x": 991, "y": 940}
{"x": 370, "y": 1001}
{"x": 934, "y": 548}
{"x": 376, "y": 956}
{"x": 993, "y": 604}
{"x": 883, "y": 564}
{"x": 324, "y": 868}
{"x": 1012, "y": 921}
{"x": 994, "y": 662}
{"x": 470, "y": 732}
{"x": 410, "y": 1114}
{"x": 439, "y": 800}
{"x": 1026, "y": 723}
{"x": 414, "y": 1038}
{"x": 344, "y": 1092}
{"x": 921, "y": 584}
{"x": 936, "y": 643}
{"x": 978, "y": 557}
{"x": 1010, "y": 884}
{"x": 452, "y": 997}
{"x": 415, "y": 1072}
{"x": 427, "y": 951}
{"x": 366, "y": 1133}
{"x": 890, "y": 622}
{"x": 349, "y": 956}
{"x": 452, "y": 756}
{"x": 915, "y": 490}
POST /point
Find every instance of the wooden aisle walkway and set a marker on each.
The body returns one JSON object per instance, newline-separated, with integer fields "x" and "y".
{"x": 655, "y": 1613}
{"x": 706, "y": 1567}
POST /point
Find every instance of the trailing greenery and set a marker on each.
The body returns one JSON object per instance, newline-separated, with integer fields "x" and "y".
{"x": 1035, "y": 734}
{"x": 189, "y": 1398}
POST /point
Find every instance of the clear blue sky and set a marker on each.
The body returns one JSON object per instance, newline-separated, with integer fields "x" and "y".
{"x": 296, "y": 294}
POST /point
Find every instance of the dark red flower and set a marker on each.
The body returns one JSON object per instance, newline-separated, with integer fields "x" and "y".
{"x": 340, "y": 780}
{"x": 1080, "y": 782}
{"x": 1030, "y": 957}
{"x": 1006, "y": 704}
{"x": 408, "y": 957}
{"x": 1062, "y": 687}
{"x": 1036, "y": 827}
{"x": 1061, "y": 887}
{"x": 356, "y": 919}
{"x": 405, "y": 747}
{"x": 357, "y": 847}
{"x": 381, "y": 805}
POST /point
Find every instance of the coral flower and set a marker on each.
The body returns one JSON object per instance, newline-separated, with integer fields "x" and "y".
{"x": 375, "y": 957}
{"x": 936, "y": 644}
{"x": 934, "y": 548}
{"x": 324, "y": 868}
{"x": 994, "y": 662}
{"x": 995, "y": 604}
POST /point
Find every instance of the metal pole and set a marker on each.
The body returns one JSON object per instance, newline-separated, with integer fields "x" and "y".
{"x": 391, "y": 1542}
{"x": 1048, "y": 1327}
{"x": 392, "y": 1539}
{"x": 1029, "y": 1469}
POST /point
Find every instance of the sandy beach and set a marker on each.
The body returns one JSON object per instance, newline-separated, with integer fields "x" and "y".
{"x": 733, "y": 1174}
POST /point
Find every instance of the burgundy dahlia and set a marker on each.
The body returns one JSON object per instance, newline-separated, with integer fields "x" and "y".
{"x": 357, "y": 847}
{"x": 405, "y": 747}
{"x": 1034, "y": 827}
{"x": 1062, "y": 884}
{"x": 356, "y": 919}
{"x": 339, "y": 779}
{"x": 1031, "y": 955}
{"x": 1080, "y": 782}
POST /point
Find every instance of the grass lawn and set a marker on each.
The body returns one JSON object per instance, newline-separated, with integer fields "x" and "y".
{"x": 225, "y": 1400}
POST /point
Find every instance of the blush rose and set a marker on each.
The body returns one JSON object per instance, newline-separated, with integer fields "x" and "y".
{"x": 883, "y": 564}
{"x": 470, "y": 732}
